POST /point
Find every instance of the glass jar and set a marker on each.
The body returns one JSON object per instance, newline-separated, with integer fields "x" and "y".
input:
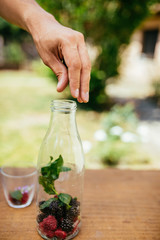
{"x": 61, "y": 171}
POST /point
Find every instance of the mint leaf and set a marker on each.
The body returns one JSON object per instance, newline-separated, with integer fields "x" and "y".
{"x": 45, "y": 171}
{"x": 56, "y": 166}
{"x": 47, "y": 184}
{"x": 50, "y": 173}
{"x": 53, "y": 168}
{"x": 47, "y": 203}
{"x": 59, "y": 161}
{"x": 65, "y": 169}
{"x": 54, "y": 176}
{"x": 65, "y": 198}
{"x": 16, "y": 195}
{"x": 51, "y": 158}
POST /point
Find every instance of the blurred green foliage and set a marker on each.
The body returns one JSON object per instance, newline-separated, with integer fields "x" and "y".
{"x": 25, "y": 98}
{"x": 122, "y": 116}
{"x": 11, "y": 32}
{"x": 17, "y": 45}
{"x": 105, "y": 24}
{"x": 122, "y": 144}
{"x": 13, "y": 53}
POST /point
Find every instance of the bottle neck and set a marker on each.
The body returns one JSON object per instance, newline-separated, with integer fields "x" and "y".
{"x": 63, "y": 122}
{"x": 63, "y": 116}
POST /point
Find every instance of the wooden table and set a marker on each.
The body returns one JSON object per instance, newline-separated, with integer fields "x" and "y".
{"x": 118, "y": 205}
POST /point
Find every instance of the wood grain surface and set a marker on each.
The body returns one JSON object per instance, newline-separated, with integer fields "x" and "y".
{"x": 118, "y": 205}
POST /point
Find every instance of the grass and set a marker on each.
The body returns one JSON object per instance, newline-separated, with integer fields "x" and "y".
{"x": 24, "y": 117}
{"x": 25, "y": 112}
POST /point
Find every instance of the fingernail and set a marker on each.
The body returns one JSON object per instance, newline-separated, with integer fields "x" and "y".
{"x": 80, "y": 100}
{"x": 86, "y": 96}
{"x": 76, "y": 93}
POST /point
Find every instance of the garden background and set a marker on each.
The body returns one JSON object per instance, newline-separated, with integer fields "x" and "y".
{"x": 120, "y": 125}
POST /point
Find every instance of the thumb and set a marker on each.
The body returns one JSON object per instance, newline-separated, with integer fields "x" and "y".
{"x": 62, "y": 74}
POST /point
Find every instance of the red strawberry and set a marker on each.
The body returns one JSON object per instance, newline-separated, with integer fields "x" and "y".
{"x": 61, "y": 234}
{"x": 24, "y": 198}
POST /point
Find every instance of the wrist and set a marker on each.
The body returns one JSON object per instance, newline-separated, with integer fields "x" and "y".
{"x": 35, "y": 19}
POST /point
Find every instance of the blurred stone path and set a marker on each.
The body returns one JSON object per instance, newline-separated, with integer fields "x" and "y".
{"x": 147, "y": 110}
{"x": 149, "y": 115}
{"x": 149, "y": 126}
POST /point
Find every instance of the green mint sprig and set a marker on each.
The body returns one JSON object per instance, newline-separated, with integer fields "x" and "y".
{"x": 49, "y": 174}
{"x": 16, "y": 195}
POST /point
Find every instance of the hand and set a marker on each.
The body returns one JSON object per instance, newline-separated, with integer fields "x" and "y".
{"x": 64, "y": 51}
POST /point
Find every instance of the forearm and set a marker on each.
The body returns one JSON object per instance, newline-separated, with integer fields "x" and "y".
{"x": 23, "y": 13}
{"x": 54, "y": 43}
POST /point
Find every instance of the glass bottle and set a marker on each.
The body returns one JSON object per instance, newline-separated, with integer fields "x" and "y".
{"x": 61, "y": 170}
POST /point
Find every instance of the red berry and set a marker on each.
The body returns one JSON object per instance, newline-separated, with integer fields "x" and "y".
{"x": 61, "y": 234}
{"x": 41, "y": 225}
{"x": 50, "y": 234}
{"x": 14, "y": 201}
{"x": 45, "y": 231}
{"x": 75, "y": 225}
{"x": 11, "y": 199}
{"x": 24, "y": 198}
{"x": 49, "y": 223}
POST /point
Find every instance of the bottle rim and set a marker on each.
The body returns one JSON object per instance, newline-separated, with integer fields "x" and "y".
{"x": 63, "y": 105}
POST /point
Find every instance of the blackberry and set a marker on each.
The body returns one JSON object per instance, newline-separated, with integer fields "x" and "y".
{"x": 45, "y": 210}
{"x": 74, "y": 211}
{"x": 74, "y": 202}
{"x": 67, "y": 225}
{"x": 68, "y": 216}
{"x": 41, "y": 216}
{"x": 56, "y": 209}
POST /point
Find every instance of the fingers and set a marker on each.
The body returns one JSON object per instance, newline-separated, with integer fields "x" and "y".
{"x": 85, "y": 72}
{"x": 73, "y": 63}
{"x": 62, "y": 75}
{"x": 80, "y": 99}
{"x": 79, "y": 67}
{"x": 61, "y": 72}
{"x": 70, "y": 46}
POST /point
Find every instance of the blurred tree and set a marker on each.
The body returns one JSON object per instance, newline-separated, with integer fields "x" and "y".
{"x": 106, "y": 24}
{"x": 18, "y": 45}
{"x": 11, "y": 32}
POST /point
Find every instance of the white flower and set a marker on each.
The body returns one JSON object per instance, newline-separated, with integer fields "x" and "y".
{"x": 100, "y": 135}
{"x": 143, "y": 132}
{"x": 116, "y": 130}
{"x": 129, "y": 137}
{"x": 87, "y": 145}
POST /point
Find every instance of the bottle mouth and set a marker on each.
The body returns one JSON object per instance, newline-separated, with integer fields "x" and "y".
{"x": 64, "y": 106}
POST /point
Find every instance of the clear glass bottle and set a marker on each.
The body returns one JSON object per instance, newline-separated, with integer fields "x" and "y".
{"x": 61, "y": 171}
